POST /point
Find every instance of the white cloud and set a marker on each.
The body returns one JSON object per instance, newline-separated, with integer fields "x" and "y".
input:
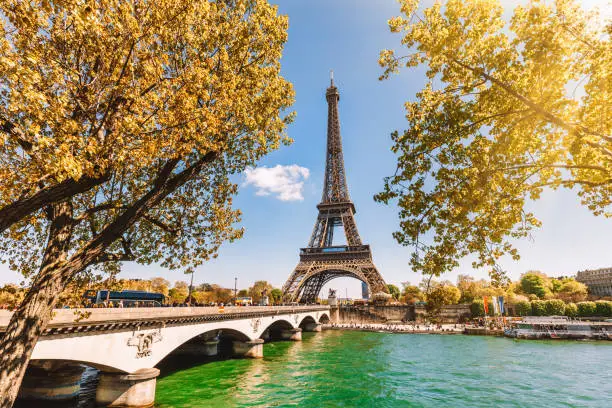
{"x": 284, "y": 182}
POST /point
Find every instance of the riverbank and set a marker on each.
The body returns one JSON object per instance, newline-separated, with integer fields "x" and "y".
{"x": 543, "y": 331}
{"x": 398, "y": 328}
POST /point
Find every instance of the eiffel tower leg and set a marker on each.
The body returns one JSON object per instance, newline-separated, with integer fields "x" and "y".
{"x": 319, "y": 232}
{"x": 290, "y": 288}
{"x": 374, "y": 280}
{"x": 350, "y": 228}
{"x": 312, "y": 288}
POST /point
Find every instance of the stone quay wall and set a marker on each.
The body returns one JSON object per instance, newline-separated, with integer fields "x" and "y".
{"x": 400, "y": 313}
{"x": 376, "y": 313}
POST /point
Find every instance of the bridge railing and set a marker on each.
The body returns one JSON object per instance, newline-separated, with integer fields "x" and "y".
{"x": 90, "y": 316}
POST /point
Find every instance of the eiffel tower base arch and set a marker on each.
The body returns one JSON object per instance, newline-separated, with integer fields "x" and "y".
{"x": 310, "y": 275}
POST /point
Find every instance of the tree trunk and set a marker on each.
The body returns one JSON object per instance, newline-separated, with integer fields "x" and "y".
{"x": 34, "y": 313}
{"x": 30, "y": 320}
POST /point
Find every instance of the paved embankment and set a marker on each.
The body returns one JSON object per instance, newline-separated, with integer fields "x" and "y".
{"x": 397, "y": 328}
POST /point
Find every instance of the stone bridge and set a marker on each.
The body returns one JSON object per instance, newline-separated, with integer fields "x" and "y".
{"x": 126, "y": 345}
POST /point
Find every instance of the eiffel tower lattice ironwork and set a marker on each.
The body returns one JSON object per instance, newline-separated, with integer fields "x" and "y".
{"x": 321, "y": 261}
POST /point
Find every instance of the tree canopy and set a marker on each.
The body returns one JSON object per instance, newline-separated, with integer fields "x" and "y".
{"x": 121, "y": 124}
{"x": 441, "y": 295}
{"x": 148, "y": 98}
{"x": 256, "y": 291}
{"x": 510, "y": 108}
{"x": 534, "y": 284}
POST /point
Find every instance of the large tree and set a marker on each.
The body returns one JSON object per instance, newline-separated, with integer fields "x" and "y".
{"x": 510, "y": 108}
{"x": 149, "y": 107}
{"x": 535, "y": 283}
{"x": 256, "y": 291}
{"x": 440, "y": 295}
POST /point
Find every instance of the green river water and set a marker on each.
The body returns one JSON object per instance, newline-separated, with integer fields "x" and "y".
{"x": 361, "y": 369}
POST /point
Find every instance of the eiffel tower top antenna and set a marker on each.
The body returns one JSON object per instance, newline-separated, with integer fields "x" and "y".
{"x": 331, "y": 76}
{"x": 335, "y": 189}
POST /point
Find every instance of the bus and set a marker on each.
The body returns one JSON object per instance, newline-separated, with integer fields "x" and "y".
{"x": 127, "y": 297}
{"x": 244, "y": 301}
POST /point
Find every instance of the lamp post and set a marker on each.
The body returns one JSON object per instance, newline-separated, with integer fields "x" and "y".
{"x": 235, "y": 290}
{"x": 190, "y": 289}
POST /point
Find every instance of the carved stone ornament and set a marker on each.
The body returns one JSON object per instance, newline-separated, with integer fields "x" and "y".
{"x": 144, "y": 342}
{"x": 255, "y": 323}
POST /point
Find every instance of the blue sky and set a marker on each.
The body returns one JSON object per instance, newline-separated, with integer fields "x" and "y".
{"x": 279, "y": 213}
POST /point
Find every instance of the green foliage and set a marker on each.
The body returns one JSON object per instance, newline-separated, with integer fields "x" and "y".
{"x": 603, "y": 308}
{"x": 523, "y": 308}
{"x": 441, "y": 295}
{"x": 586, "y": 309}
{"x": 477, "y": 308}
{"x": 412, "y": 294}
{"x": 393, "y": 291}
{"x": 555, "y": 307}
{"x": 572, "y": 291}
{"x": 556, "y": 285}
{"x": 535, "y": 284}
{"x": 178, "y": 294}
{"x": 538, "y": 308}
{"x": 11, "y": 296}
{"x": 472, "y": 289}
{"x": 276, "y": 295}
{"x": 495, "y": 124}
{"x": 571, "y": 310}
{"x": 257, "y": 291}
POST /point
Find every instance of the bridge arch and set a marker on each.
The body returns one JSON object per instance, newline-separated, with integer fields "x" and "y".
{"x": 136, "y": 344}
{"x": 43, "y": 362}
{"x": 275, "y": 329}
{"x": 306, "y": 321}
{"x": 324, "y": 319}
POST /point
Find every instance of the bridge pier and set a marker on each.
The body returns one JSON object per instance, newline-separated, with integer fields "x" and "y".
{"x": 200, "y": 347}
{"x": 291, "y": 334}
{"x": 266, "y": 335}
{"x": 51, "y": 381}
{"x": 249, "y": 349}
{"x": 334, "y": 314}
{"x": 313, "y": 327}
{"x": 127, "y": 390}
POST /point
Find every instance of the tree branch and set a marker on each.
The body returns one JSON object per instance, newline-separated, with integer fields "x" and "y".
{"x": 171, "y": 230}
{"x": 17, "y": 211}
{"x": 572, "y": 128}
{"x": 164, "y": 185}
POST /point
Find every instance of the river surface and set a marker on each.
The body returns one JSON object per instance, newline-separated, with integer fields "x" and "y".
{"x": 364, "y": 369}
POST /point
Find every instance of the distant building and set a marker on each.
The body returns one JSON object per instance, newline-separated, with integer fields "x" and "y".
{"x": 599, "y": 281}
{"x": 365, "y": 293}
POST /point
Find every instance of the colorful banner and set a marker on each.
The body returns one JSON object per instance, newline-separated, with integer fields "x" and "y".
{"x": 501, "y": 304}
{"x": 486, "y": 304}
{"x": 495, "y": 306}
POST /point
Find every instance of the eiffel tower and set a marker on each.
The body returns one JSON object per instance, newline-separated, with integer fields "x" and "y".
{"x": 321, "y": 261}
